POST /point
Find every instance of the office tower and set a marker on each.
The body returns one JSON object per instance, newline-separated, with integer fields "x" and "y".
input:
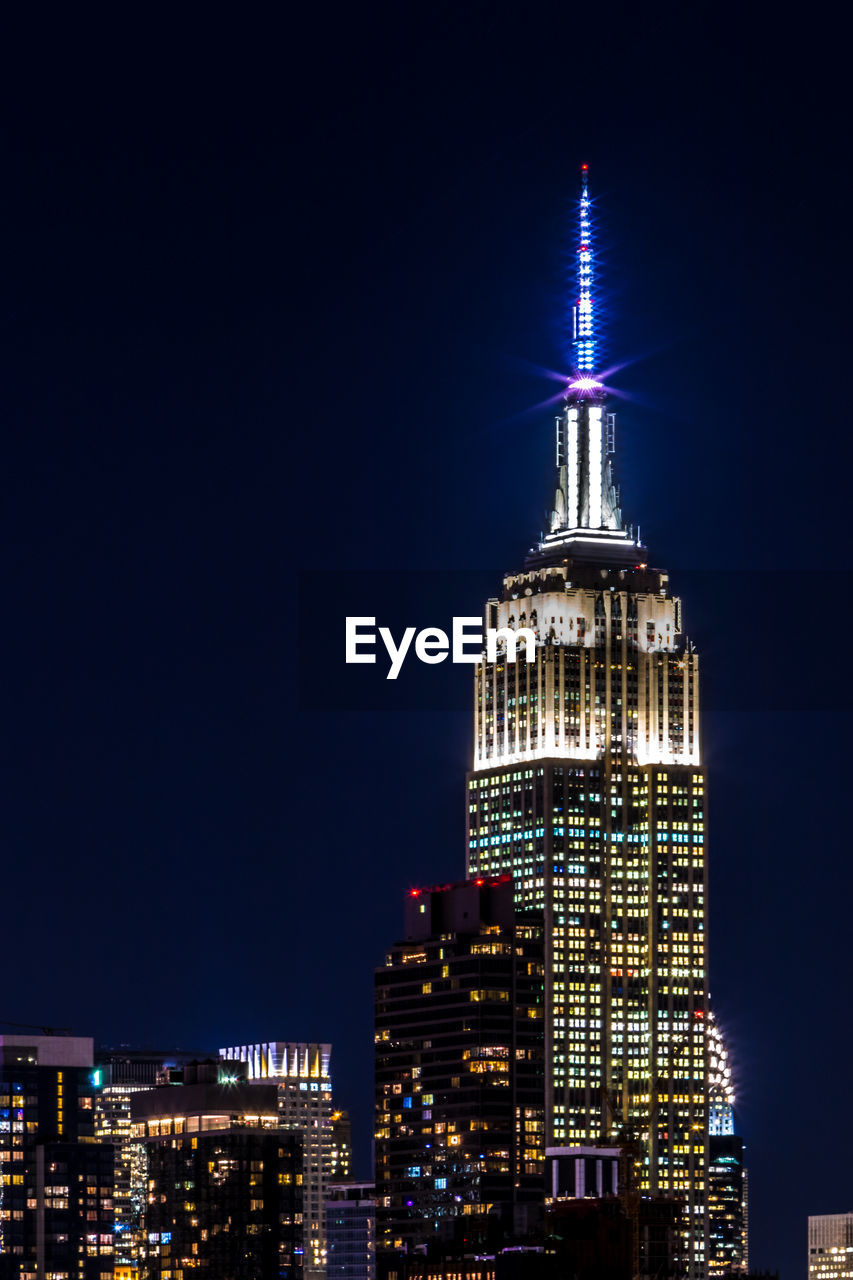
{"x": 459, "y": 1036}
{"x": 727, "y": 1182}
{"x": 831, "y": 1246}
{"x": 300, "y": 1072}
{"x": 588, "y": 788}
{"x": 351, "y": 1231}
{"x": 56, "y": 1181}
{"x": 224, "y": 1182}
{"x": 118, "y": 1074}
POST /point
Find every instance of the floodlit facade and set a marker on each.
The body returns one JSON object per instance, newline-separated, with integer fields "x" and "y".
{"x": 301, "y": 1073}
{"x": 831, "y": 1247}
{"x": 588, "y": 789}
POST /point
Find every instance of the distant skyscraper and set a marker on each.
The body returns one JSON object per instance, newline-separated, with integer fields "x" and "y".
{"x": 459, "y": 1065}
{"x": 728, "y": 1252}
{"x": 56, "y": 1181}
{"x": 831, "y": 1247}
{"x": 351, "y": 1231}
{"x": 588, "y": 788}
{"x": 224, "y": 1181}
{"x": 300, "y": 1071}
{"x": 119, "y": 1074}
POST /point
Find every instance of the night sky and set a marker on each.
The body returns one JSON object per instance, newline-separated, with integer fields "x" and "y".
{"x": 279, "y": 296}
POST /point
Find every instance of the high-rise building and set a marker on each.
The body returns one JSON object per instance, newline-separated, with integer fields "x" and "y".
{"x": 351, "y": 1231}
{"x": 728, "y": 1253}
{"x": 118, "y": 1075}
{"x": 831, "y": 1246}
{"x": 56, "y": 1181}
{"x": 300, "y": 1072}
{"x": 224, "y": 1182}
{"x": 460, "y": 1127}
{"x": 588, "y": 788}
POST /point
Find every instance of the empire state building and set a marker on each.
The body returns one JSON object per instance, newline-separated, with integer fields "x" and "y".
{"x": 588, "y": 789}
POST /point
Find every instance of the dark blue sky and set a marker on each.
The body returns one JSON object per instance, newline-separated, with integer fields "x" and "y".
{"x": 273, "y": 297}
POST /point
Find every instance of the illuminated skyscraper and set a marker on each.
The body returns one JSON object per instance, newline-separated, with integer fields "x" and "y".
{"x": 301, "y": 1073}
{"x": 588, "y": 788}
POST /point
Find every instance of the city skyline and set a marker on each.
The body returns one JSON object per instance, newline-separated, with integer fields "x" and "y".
{"x": 201, "y": 282}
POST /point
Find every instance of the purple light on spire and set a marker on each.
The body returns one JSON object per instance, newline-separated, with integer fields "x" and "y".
{"x": 585, "y": 341}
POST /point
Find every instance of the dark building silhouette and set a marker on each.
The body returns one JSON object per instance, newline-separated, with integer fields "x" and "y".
{"x": 601, "y": 1227}
{"x": 56, "y": 1198}
{"x": 727, "y": 1229}
{"x": 625, "y": 1237}
{"x": 459, "y": 1066}
{"x": 224, "y": 1181}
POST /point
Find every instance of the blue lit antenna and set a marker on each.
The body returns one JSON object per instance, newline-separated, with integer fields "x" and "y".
{"x": 584, "y": 328}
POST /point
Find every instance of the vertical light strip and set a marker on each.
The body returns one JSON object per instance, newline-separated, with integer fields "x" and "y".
{"x": 574, "y": 478}
{"x": 594, "y": 456}
{"x": 584, "y": 319}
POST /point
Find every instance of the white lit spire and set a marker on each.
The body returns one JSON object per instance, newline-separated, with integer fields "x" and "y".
{"x": 586, "y": 519}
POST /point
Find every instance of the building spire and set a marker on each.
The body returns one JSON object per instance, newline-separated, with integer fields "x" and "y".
{"x": 584, "y": 344}
{"x": 586, "y": 518}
